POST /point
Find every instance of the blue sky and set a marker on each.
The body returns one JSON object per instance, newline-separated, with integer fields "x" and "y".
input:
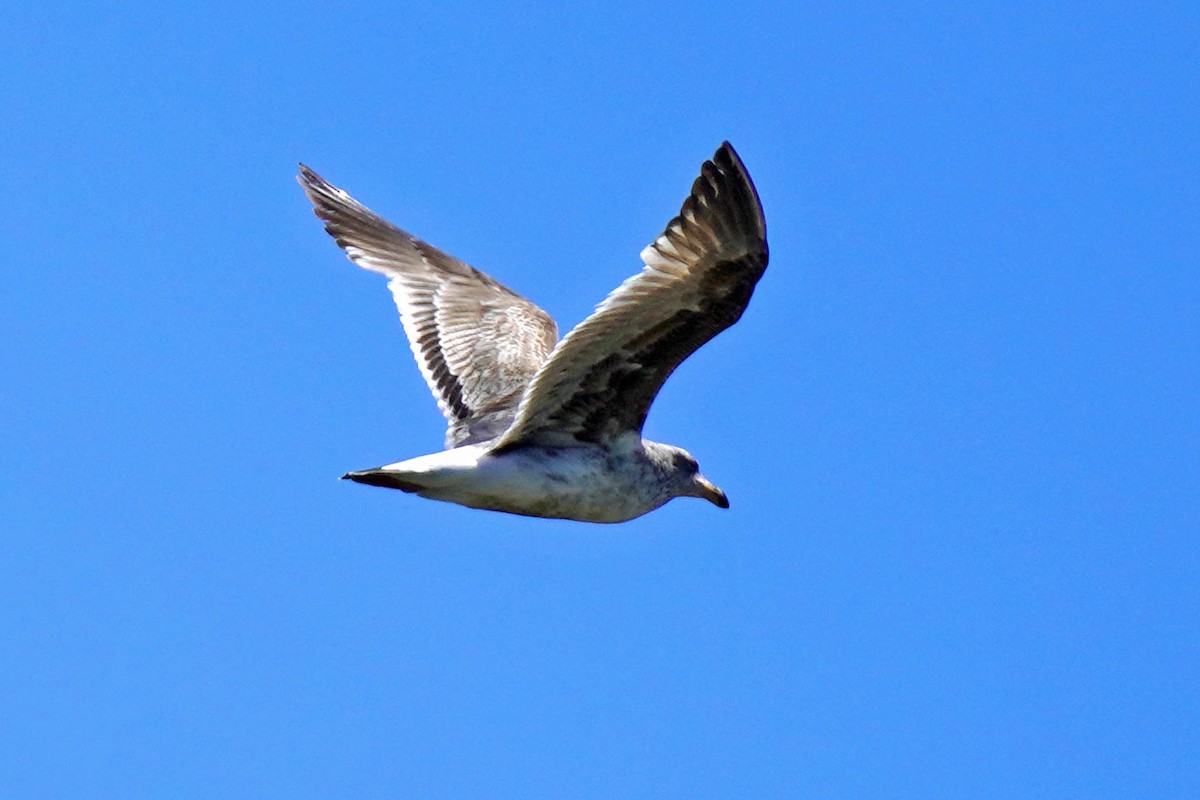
{"x": 958, "y": 424}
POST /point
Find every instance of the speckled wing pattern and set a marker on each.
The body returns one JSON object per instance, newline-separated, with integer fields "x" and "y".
{"x": 477, "y": 343}
{"x": 600, "y": 380}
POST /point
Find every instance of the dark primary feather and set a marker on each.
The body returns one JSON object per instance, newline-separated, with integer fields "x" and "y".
{"x": 600, "y": 380}
{"x": 477, "y": 343}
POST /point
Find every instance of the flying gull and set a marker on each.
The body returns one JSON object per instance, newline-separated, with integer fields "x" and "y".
{"x": 547, "y": 427}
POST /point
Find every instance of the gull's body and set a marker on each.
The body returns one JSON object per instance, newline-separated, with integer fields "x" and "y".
{"x": 551, "y": 428}
{"x": 585, "y": 482}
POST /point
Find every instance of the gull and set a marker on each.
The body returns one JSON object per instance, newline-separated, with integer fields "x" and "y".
{"x": 553, "y": 428}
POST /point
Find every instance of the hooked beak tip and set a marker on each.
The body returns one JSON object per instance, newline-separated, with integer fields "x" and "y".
{"x": 711, "y": 492}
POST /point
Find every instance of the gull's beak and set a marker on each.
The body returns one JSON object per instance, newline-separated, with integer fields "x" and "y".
{"x": 709, "y": 491}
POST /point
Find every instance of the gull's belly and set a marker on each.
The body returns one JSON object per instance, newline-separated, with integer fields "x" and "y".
{"x": 581, "y": 483}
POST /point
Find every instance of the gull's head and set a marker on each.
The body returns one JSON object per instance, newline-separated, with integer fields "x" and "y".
{"x": 691, "y": 483}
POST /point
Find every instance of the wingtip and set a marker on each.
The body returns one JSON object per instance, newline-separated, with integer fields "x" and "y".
{"x": 726, "y": 157}
{"x": 307, "y": 177}
{"x": 728, "y": 161}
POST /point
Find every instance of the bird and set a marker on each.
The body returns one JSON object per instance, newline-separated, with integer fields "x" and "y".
{"x": 547, "y": 427}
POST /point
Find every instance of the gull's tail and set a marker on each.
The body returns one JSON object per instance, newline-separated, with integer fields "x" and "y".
{"x": 384, "y": 478}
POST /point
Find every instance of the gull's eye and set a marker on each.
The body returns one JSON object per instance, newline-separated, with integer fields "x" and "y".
{"x": 685, "y": 463}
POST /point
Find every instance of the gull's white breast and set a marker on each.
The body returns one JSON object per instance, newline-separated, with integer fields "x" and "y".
{"x": 587, "y": 483}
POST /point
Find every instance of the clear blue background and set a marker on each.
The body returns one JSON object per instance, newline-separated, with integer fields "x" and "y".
{"x": 958, "y": 424}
